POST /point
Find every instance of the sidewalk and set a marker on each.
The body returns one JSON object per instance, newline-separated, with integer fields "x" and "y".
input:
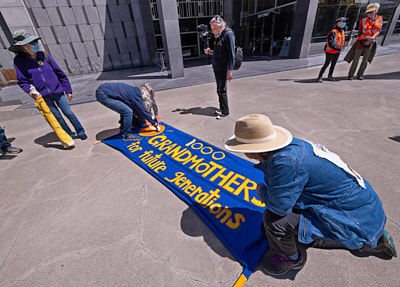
{"x": 90, "y": 217}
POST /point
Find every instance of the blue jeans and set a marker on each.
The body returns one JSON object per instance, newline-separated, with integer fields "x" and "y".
{"x": 124, "y": 110}
{"x": 62, "y": 103}
{"x": 3, "y": 139}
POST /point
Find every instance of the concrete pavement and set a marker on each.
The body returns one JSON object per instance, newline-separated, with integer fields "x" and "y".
{"x": 90, "y": 217}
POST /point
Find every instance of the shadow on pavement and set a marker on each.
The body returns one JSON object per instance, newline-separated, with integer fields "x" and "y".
{"x": 395, "y": 138}
{"x": 48, "y": 141}
{"x": 209, "y": 111}
{"x": 193, "y": 225}
{"x": 107, "y": 133}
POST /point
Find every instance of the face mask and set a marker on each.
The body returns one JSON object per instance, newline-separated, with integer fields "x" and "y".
{"x": 343, "y": 25}
{"x": 34, "y": 48}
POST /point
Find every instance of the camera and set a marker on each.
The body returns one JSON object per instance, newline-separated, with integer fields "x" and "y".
{"x": 204, "y": 35}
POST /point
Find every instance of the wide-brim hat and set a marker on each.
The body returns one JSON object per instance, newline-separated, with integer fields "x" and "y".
{"x": 372, "y": 7}
{"x": 255, "y": 133}
{"x": 21, "y": 37}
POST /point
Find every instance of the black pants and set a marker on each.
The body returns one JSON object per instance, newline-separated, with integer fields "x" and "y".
{"x": 220, "y": 78}
{"x": 281, "y": 232}
{"x": 330, "y": 58}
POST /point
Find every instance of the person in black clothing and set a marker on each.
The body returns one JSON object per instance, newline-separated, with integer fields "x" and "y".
{"x": 333, "y": 48}
{"x": 223, "y": 61}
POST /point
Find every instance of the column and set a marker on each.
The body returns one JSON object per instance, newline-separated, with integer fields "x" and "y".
{"x": 302, "y": 29}
{"x": 168, "y": 15}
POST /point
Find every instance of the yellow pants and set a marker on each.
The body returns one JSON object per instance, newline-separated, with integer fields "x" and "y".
{"x": 64, "y": 138}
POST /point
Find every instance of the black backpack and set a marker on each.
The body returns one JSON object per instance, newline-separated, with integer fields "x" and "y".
{"x": 238, "y": 57}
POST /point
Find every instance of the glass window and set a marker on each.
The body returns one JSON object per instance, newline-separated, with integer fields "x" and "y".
{"x": 396, "y": 32}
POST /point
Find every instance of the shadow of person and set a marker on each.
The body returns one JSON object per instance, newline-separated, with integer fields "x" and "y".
{"x": 395, "y": 138}
{"x": 107, "y": 133}
{"x": 209, "y": 111}
{"x": 192, "y": 225}
{"x": 314, "y": 80}
{"x": 49, "y": 141}
{"x": 6, "y": 156}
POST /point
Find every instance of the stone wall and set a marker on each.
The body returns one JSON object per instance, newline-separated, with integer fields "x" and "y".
{"x": 84, "y": 36}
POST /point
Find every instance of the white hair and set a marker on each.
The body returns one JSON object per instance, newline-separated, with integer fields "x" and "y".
{"x": 148, "y": 95}
{"x": 218, "y": 21}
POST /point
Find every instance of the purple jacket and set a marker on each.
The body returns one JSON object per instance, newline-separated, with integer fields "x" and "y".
{"x": 47, "y": 78}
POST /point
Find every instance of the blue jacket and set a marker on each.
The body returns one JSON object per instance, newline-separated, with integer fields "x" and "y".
{"x": 224, "y": 51}
{"x": 332, "y": 203}
{"x": 48, "y": 78}
{"x": 129, "y": 95}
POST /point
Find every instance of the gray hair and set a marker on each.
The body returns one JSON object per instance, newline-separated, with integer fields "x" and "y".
{"x": 148, "y": 95}
{"x": 218, "y": 21}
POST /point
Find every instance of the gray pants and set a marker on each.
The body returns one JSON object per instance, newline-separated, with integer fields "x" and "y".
{"x": 357, "y": 54}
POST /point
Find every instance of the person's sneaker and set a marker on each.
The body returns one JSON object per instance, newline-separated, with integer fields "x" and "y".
{"x": 319, "y": 80}
{"x": 221, "y": 116}
{"x": 282, "y": 264}
{"x": 218, "y": 112}
{"x": 386, "y": 244}
{"x": 83, "y": 137}
{"x": 130, "y": 137}
{"x": 331, "y": 79}
{"x": 12, "y": 149}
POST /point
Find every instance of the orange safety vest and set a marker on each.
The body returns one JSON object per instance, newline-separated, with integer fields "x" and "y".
{"x": 368, "y": 29}
{"x": 340, "y": 38}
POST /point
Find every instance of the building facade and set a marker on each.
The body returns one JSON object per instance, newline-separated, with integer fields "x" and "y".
{"x": 89, "y": 36}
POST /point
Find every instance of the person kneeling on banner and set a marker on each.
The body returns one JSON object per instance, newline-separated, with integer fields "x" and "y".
{"x": 310, "y": 194}
{"x": 136, "y": 105}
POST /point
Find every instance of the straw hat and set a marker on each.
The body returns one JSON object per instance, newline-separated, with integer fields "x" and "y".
{"x": 372, "y": 7}
{"x": 21, "y": 37}
{"x": 255, "y": 133}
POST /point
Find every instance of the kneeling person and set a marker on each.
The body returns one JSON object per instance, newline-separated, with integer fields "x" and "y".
{"x": 310, "y": 194}
{"x": 134, "y": 104}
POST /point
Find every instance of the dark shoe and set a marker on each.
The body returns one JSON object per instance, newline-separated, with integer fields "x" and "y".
{"x": 282, "y": 264}
{"x": 360, "y": 78}
{"x": 332, "y": 79}
{"x": 218, "y": 112}
{"x": 221, "y": 116}
{"x": 386, "y": 244}
{"x": 319, "y": 80}
{"x": 350, "y": 78}
{"x": 83, "y": 137}
{"x": 12, "y": 149}
{"x": 130, "y": 137}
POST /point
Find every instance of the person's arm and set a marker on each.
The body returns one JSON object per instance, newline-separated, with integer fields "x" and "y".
{"x": 230, "y": 49}
{"x": 285, "y": 183}
{"x": 62, "y": 77}
{"x": 22, "y": 79}
{"x": 332, "y": 41}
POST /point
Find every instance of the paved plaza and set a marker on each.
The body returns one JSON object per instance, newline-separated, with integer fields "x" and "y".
{"x": 91, "y": 217}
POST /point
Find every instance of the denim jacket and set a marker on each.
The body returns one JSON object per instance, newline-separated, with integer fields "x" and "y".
{"x": 331, "y": 201}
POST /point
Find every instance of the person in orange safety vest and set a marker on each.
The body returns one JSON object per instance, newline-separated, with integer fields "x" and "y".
{"x": 334, "y": 46}
{"x": 368, "y": 30}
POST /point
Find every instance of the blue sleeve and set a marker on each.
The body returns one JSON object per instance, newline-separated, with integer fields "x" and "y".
{"x": 230, "y": 46}
{"x": 62, "y": 77}
{"x": 22, "y": 80}
{"x": 285, "y": 183}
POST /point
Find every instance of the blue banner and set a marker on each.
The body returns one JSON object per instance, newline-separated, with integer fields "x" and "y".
{"x": 219, "y": 186}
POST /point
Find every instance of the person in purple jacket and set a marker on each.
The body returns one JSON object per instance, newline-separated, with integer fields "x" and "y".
{"x": 39, "y": 69}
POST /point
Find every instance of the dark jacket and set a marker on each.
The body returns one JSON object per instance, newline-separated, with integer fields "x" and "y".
{"x": 131, "y": 96}
{"x": 224, "y": 51}
{"x": 350, "y": 54}
{"x": 47, "y": 77}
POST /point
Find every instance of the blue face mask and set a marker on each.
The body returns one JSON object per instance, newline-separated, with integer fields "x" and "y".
{"x": 343, "y": 25}
{"x": 35, "y": 47}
